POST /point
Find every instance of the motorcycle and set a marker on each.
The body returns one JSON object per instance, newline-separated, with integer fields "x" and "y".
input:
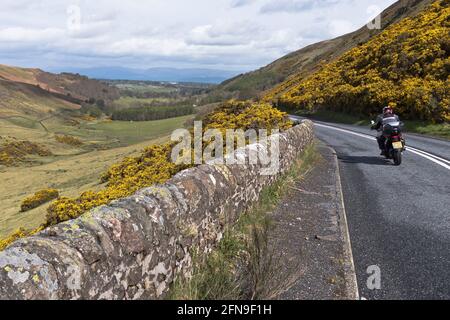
{"x": 394, "y": 143}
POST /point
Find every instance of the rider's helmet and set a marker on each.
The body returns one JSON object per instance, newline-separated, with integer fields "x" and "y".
{"x": 388, "y": 110}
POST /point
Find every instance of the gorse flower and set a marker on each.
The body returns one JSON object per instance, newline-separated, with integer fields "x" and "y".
{"x": 38, "y": 199}
{"x": 407, "y": 64}
{"x": 154, "y": 165}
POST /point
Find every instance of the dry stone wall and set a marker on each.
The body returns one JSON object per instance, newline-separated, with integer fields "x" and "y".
{"x": 134, "y": 247}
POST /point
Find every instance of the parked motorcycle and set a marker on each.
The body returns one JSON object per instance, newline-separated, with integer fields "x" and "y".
{"x": 394, "y": 142}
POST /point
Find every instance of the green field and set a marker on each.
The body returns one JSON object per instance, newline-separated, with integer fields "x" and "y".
{"x": 71, "y": 170}
{"x": 129, "y": 102}
{"x": 129, "y": 132}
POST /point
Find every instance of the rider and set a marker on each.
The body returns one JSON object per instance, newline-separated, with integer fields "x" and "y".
{"x": 386, "y": 117}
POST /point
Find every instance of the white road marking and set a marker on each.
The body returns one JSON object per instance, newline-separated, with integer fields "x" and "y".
{"x": 438, "y": 160}
{"x": 430, "y": 155}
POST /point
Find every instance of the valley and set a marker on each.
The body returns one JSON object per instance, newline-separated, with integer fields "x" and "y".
{"x": 79, "y": 138}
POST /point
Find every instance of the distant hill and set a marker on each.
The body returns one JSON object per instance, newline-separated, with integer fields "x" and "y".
{"x": 35, "y": 93}
{"x": 302, "y": 62}
{"x": 156, "y": 74}
{"x": 407, "y": 66}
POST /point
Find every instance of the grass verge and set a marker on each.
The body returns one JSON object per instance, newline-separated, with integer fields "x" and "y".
{"x": 244, "y": 264}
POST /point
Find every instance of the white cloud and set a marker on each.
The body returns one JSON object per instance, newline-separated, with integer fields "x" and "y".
{"x": 232, "y": 34}
{"x": 26, "y": 35}
{"x": 241, "y": 3}
{"x": 340, "y": 27}
{"x": 293, "y": 6}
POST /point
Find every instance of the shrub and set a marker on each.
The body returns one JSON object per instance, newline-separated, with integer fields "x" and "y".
{"x": 72, "y": 141}
{"x": 15, "y": 151}
{"x": 5, "y": 159}
{"x": 406, "y": 64}
{"x": 91, "y": 110}
{"x": 154, "y": 165}
{"x": 18, "y": 234}
{"x": 38, "y": 199}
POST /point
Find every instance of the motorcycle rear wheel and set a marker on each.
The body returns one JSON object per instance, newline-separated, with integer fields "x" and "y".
{"x": 397, "y": 155}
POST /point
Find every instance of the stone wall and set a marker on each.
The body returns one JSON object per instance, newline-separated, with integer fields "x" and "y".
{"x": 134, "y": 247}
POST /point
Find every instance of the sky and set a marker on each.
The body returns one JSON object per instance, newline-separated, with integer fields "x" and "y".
{"x": 238, "y": 35}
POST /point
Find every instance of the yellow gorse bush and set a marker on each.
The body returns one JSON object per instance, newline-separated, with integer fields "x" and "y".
{"x": 407, "y": 64}
{"x": 38, "y": 199}
{"x": 72, "y": 141}
{"x": 154, "y": 165}
{"x": 12, "y": 152}
{"x": 19, "y": 233}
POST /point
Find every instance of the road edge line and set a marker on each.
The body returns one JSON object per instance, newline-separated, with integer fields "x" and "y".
{"x": 350, "y": 274}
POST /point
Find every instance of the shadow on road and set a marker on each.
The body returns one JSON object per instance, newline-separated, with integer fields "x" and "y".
{"x": 364, "y": 159}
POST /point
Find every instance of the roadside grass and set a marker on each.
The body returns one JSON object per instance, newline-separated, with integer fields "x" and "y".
{"x": 421, "y": 127}
{"x": 245, "y": 264}
{"x": 436, "y": 130}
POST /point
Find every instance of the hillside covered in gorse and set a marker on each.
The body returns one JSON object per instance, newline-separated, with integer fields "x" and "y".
{"x": 308, "y": 59}
{"x": 406, "y": 66}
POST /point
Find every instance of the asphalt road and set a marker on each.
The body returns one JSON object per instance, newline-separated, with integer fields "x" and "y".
{"x": 399, "y": 217}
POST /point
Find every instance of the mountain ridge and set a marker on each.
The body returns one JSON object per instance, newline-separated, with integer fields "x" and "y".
{"x": 34, "y": 92}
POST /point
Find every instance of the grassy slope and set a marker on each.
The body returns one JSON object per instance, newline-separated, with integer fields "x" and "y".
{"x": 65, "y": 84}
{"x": 72, "y": 170}
{"x": 306, "y": 60}
{"x": 35, "y": 113}
{"x": 21, "y": 99}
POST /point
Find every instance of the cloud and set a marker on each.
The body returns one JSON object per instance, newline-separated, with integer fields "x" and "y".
{"x": 231, "y": 34}
{"x": 241, "y": 3}
{"x": 225, "y": 34}
{"x": 338, "y": 28}
{"x": 292, "y": 6}
{"x": 26, "y": 35}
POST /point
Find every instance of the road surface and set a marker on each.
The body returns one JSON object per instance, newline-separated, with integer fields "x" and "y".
{"x": 399, "y": 217}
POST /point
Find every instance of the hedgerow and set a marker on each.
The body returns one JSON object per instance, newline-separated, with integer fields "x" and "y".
{"x": 406, "y": 65}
